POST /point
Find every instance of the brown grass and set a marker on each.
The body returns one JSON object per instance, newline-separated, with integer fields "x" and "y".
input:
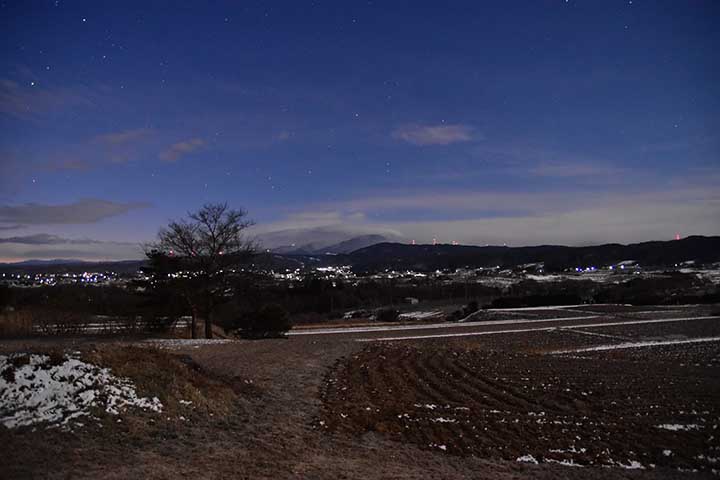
{"x": 15, "y": 324}
{"x": 169, "y": 377}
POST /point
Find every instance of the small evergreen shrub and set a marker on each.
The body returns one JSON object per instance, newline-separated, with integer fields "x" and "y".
{"x": 269, "y": 321}
{"x": 387, "y": 315}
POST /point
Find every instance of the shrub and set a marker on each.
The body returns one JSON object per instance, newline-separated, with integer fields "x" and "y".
{"x": 269, "y": 321}
{"x": 387, "y": 315}
{"x": 470, "y": 308}
{"x": 455, "y": 316}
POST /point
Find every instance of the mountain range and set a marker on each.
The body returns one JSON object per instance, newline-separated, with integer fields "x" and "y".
{"x": 345, "y": 246}
{"x": 365, "y": 254}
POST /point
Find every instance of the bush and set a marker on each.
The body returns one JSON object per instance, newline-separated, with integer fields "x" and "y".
{"x": 455, "y": 316}
{"x": 471, "y": 307}
{"x": 269, "y": 321}
{"x": 387, "y": 315}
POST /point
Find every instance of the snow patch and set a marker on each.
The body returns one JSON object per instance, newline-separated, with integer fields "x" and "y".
{"x": 527, "y": 459}
{"x": 170, "y": 343}
{"x": 33, "y": 390}
{"x": 677, "y": 427}
{"x": 621, "y": 346}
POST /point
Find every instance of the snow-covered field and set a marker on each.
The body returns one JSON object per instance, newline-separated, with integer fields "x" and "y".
{"x": 36, "y": 390}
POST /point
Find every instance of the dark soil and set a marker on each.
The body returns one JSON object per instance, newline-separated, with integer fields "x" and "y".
{"x": 597, "y": 410}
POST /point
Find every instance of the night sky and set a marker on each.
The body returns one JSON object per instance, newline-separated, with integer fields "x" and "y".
{"x": 573, "y": 122}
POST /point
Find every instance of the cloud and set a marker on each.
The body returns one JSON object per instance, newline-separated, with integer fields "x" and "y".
{"x": 48, "y": 239}
{"x": 30, "y": 99}
{"x": 567, "y": 170}
{"x": 122, "y": 146}
{"x": 114, "y": 147}
{"x": 83, "y": 211}
{"x": 48, "y": 246}
{"x": 123, "y": 137}
{"x": 283, "y": 136}
{"x": 434, "y": 134}
{"x": 318, "y": 228}
{"x": 177, "y": 150}
{"x": 573, "y": 217}
{"x": 90, "y": 252}
{"x": 619, "y": 221}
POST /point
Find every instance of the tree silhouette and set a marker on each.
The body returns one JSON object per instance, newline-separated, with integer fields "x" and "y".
{"x": 199, "y": 255}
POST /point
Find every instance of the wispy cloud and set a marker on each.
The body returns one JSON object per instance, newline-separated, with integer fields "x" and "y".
{"x": 434, "y": 134}
{"x": 124, "y": 137}
{"x": 57, "y": 247}
{"x": 318, "y": 228}
{"x": 566, "y": 170}
{"x": 123, "y": 146}
{"x": 30, "y": 99}
{"x": 180, "y": 149}
{"x": 49, "y": 239}
{"x": 80, "y": 212}
{"x": 572, "y": 217}
{"x": 538, "y": 161}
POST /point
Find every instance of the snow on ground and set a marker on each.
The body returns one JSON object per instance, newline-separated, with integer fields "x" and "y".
{"x": 35, "y": 390}
{"x": 564, "y": 463}
{"x": 185, "y": 342}
{"x": 420, "y": 315}
{"x": 631, "y": 465}
{"x": 432, "y": 326}
{"x": 537, "y": 329}
{"x": 677, "y": 427}
{"x": 527, "y": 459}
{"x": 557, "y": 307}
{"x": 620, "y": 346}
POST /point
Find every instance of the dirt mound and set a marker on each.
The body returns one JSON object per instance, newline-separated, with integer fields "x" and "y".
{"x": 602, "y": 411}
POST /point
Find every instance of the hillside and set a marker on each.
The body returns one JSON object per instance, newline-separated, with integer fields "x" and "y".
{"x": 555, "y": 257}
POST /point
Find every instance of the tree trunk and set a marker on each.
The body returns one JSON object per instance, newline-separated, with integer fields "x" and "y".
{"x": 193, "y": 324}
{"x": 208, "y": 324}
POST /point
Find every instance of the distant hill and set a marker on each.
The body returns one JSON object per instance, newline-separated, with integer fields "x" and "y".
{"x": 54, "y": 261}
{"x": 354, "y": 244}
{"x": 70, "y": 266}
{"x": 371, "y": 257}
{"x": 432, "y": 257}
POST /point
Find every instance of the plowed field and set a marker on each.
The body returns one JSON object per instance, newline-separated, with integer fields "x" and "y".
{"x": 607, "y": 408}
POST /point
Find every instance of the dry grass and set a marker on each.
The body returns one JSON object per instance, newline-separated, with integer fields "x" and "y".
{"x": 15, "y": 324}
{"x": 195, "y": 403}
{"x": 174, "y": 379}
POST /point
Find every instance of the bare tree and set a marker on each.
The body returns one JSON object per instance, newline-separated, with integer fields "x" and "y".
{"x": 200, "y": 254}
